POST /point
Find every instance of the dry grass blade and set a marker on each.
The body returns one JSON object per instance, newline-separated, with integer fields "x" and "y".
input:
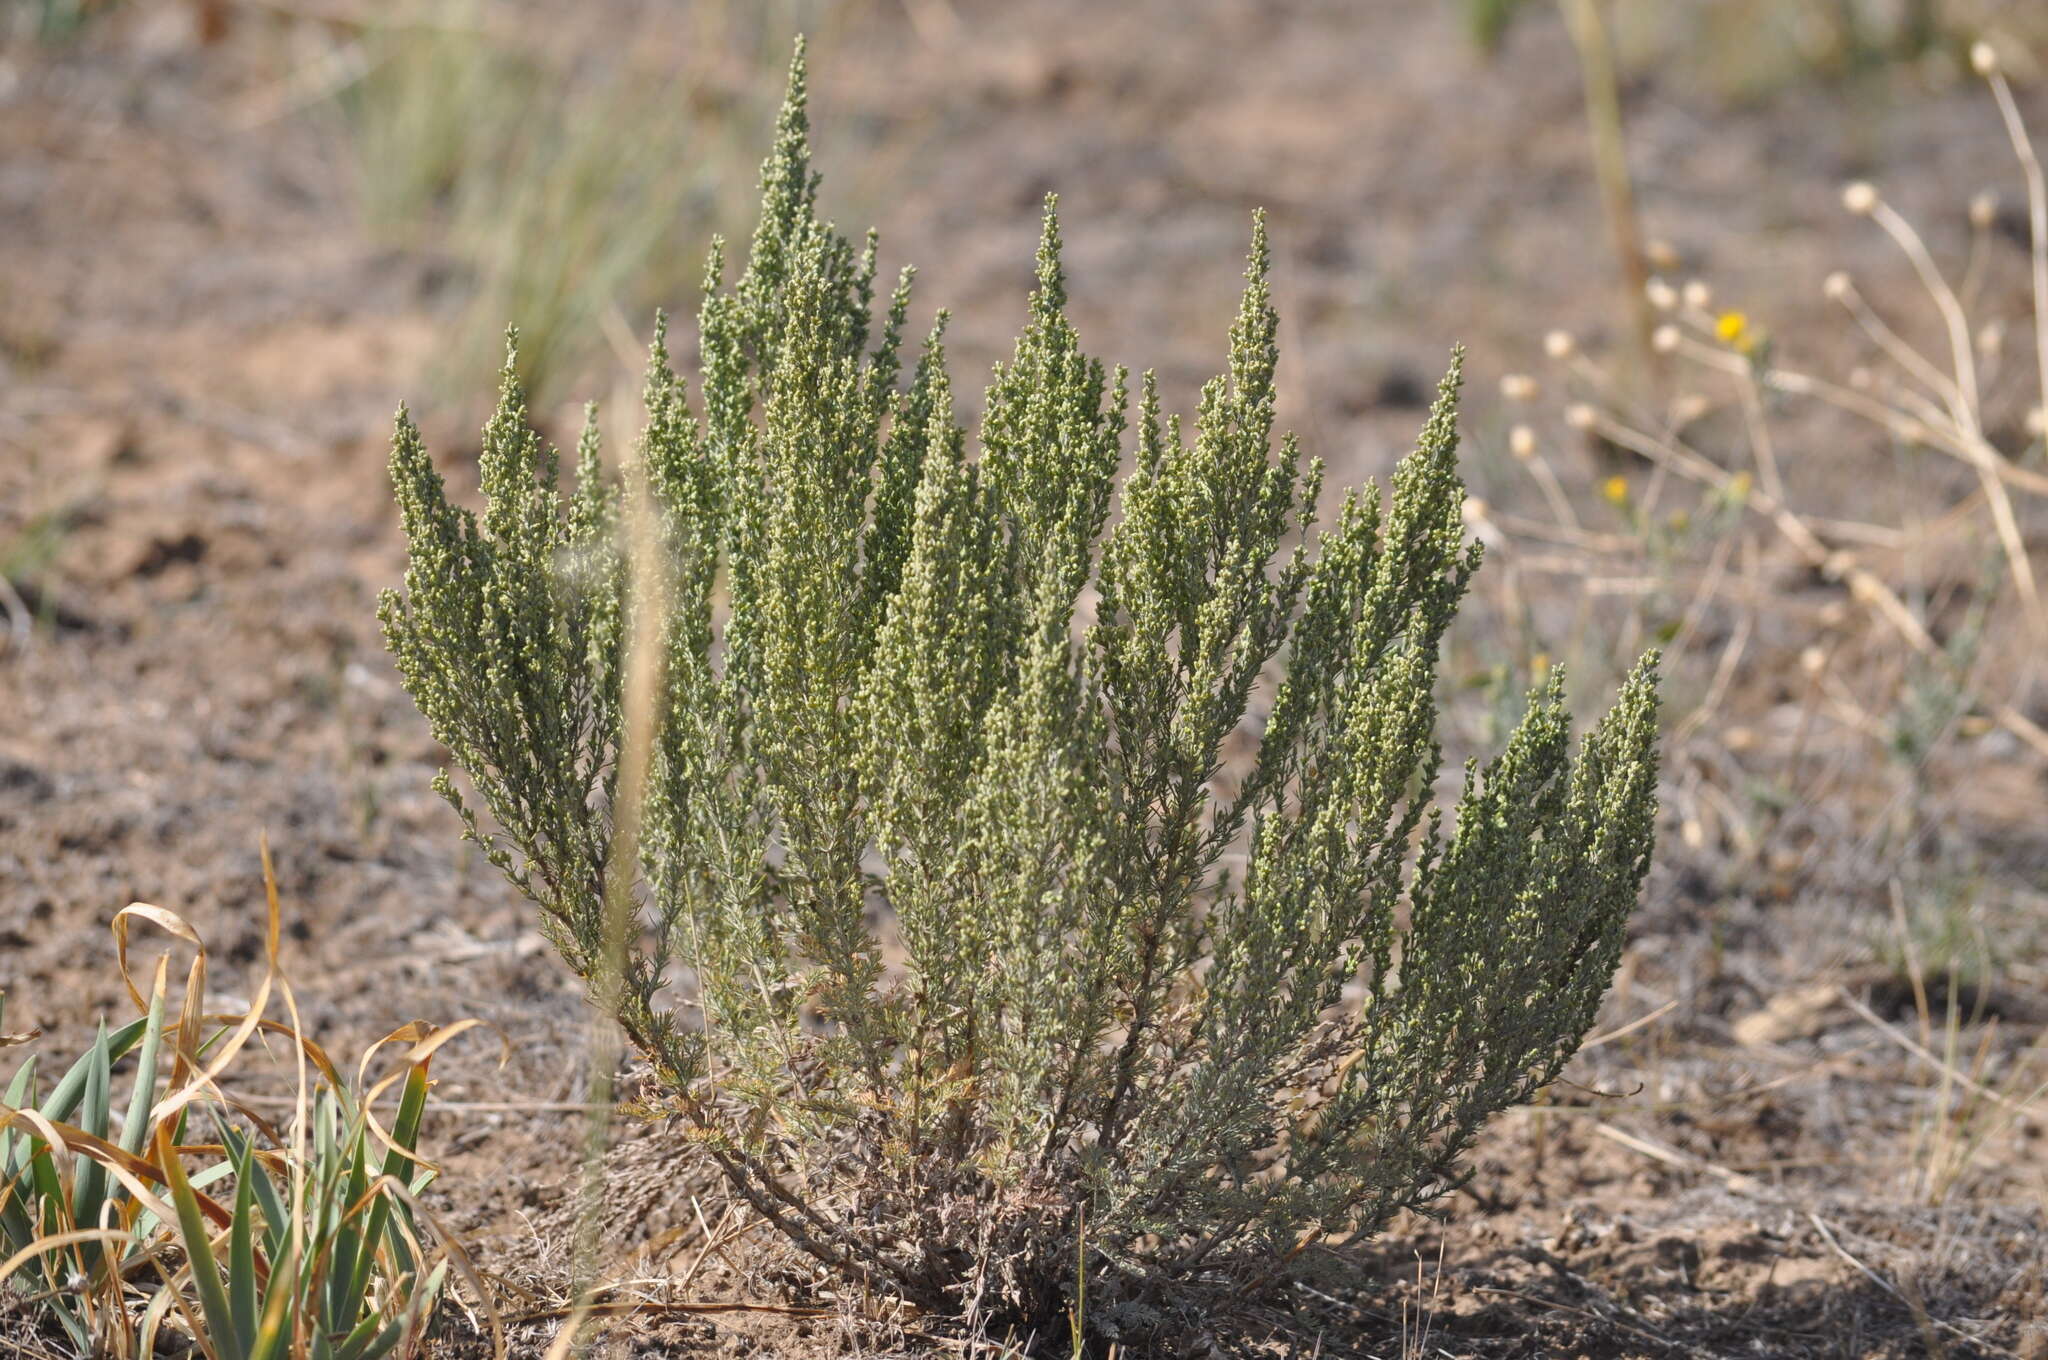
{"x": 136, "y": 1174}
{"x": 565, "y": 1338}
{"x": 1734, "y": 1180}
{"x": 316, "y": 1256}
{"x": 35, "y": 1250}
{"x": 1943, "y": 1066}
{"x": 630, "y": 1307}
{"x": 1827, "y": 1235}
{"x": 1878, "y": 599}
{"x": 645, "y": 667}
{"x": 1623, "y": 1031}
{"x": 2037, "y": 205}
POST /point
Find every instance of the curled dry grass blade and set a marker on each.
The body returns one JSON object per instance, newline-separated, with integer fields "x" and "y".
{"x": 316, "y": 1254}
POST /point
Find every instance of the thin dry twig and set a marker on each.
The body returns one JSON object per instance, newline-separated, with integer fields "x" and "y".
{"x": 1631, "y": 1027}
{"x": 1926, "y": 1055}
{"x": 1555, "y": 1306}
{"x": 1877, "y": 598}
{"x": 1827, "y": 1235}
{"x": 630, "y": 1307}
{"x": 1657, "y": 1152}
{"x": 2037, "y": 213}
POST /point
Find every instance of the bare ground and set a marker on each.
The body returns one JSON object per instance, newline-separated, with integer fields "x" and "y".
{"x": 202, "y": 347}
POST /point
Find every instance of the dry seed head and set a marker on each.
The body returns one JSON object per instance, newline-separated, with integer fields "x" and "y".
{"x": 1473, "y": 510}
{"x": 1983, "y": 210}
{"x": 1581, "y": 416}
{"x": 1837, "y": 285}
{"x": 1698, "y": 295}
{"x": 1518, "y": 387}
{"x": 1812, "y": 660}
{"x": 1664, "y": 339}
{"x": 1838, "y": 564}
{"x": 1661, "y": 294}
{"x": 2037, "y": 422}
{"x": 1860, "y": 197}
{"x": 1861, "y": 378}
{"x": 1984, "y": 59}
{"x": 1991, "y": 339}
{"x": 1833, "y": 614}
{"x": 1522, "y": 442}
{"x": 1661, "y": 254}
{"x": 1559, "y": 344}
{"x": 1689, "y": 407}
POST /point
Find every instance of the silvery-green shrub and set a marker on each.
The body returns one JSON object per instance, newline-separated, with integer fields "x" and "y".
{"x": 969, "y": 953}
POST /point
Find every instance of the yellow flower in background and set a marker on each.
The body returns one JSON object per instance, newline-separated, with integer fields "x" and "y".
{"x": 1615, "y": 489}
{"x": 1735, "y": 331}
{"x": 1738, "y": 487}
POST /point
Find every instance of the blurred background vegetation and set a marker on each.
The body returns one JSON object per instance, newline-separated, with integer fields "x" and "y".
{"x": 568, "y": 187}
{"x": 1748, "y": 49}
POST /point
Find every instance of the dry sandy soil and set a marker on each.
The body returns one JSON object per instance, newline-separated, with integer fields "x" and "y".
{"x": 200, "y": 348}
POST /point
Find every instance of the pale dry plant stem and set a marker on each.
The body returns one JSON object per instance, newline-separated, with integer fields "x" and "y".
{"x": 565, "y": 1339}
{"x": 1553, "y": 491}
{"x": 1610, "y": 154}
{"x": 2037, "y": 217}
{"x": 1913, "y": 428}
{"x": 1762, "y": 451}
{"x": 1902, "y": 354}
{"x": 1971, "y": 289}
{"x": 20, "y": 618}
{"x": 301, "y": 1113}
{"x": 1958, "y": 326}
{"x": 1731, "y": 655}
{"x": 644, "y": 673}
{"x": 1961, "y": 396}
{"x": 1920, "y": 1312}
{"x": 1864, "y": 587}
{"x": 1957, "y": 436}
{"x": 1710, "y": 585}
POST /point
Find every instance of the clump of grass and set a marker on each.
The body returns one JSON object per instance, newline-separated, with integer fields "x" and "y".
{"x": 1972, "y": 1096}
{"x": 566, "y": 187}
{"x": 300, "y": 1242}
{"x": 1938, "y": 931}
